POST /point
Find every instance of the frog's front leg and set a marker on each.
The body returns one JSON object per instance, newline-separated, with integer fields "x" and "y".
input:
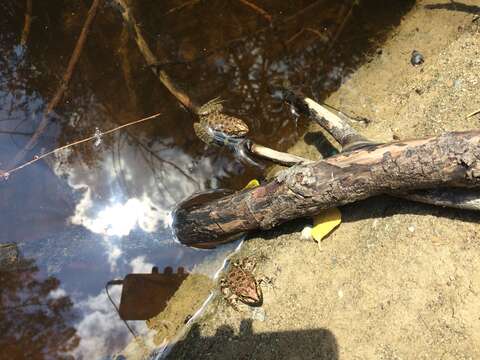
{"x": 214, "y": 105}
{"x": 265, "y": 282}
{"x": 230, "y": 297}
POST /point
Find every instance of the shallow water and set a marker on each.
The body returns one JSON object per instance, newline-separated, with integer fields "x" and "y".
{"x": 101, "y": 210}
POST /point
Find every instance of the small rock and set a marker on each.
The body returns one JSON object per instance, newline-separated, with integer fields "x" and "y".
{"x": 457, "y": 84}
{"x": 258, "y": 313}
{"x": 306, "y": 233}
{"x": 416, "y": 58}
{"x": 411, "y": 228}
{"x": 340, "y": 294}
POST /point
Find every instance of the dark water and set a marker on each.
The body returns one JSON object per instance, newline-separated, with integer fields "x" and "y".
{"x": 101, "y": 211}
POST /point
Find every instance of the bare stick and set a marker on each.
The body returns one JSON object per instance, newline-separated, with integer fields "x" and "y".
{"x": 341, "y": 27}
{"x": 340, "y": 130}
{"x": 152, "y": 60}
{"x": 275, "y": 156}
{"x": 27, "y": 23}
{"x": 473, "y": 113}
{"x": 258, "y": 9}
{"x": 6, "y": 174}
{"x": 62, "y": 87}
{"x": 181, "y": 6}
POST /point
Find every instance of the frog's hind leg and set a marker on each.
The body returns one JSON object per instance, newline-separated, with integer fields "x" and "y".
{"x": 202, "y": 133}
{"x": 244, "y": 155}
{"x": 214, "y": 105}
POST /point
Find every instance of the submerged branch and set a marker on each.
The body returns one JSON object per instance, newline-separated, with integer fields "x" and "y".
{"x": 6, "y": 174}
{"x": 62, "y": 86}
{"x": 152, "y": 60}
{"x": 257, "y": 9}
{"x": 27, "y": 23}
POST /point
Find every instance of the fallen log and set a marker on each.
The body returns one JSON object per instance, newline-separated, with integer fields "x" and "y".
{"x": 450, "y": 160}
{"x": 349, "y": 139}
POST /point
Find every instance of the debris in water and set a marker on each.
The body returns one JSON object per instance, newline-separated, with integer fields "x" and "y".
{"x": 5, "y": 175}
{"x": 294, "y": 112}
{"x": 98, "y": 137}
{"x": 417, "y": 58}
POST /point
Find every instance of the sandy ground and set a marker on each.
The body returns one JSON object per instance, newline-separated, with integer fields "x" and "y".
{"x": 396, "y": 280}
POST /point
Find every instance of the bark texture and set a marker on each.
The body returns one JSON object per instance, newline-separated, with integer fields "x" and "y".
{"x": 449, "y": 160}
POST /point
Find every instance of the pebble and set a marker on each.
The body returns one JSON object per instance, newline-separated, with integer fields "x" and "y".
{"x": 306, "y": 233}
{"x": 416, "y": 58}
{"x": 258, "y": 313}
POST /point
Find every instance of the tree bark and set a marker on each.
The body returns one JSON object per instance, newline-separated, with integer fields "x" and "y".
{"x": 448, "y": 160}
{"x": 350, "y": 140}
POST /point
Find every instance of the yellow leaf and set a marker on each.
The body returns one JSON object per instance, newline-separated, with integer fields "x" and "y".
{"x": 325, "y": 222}
{"x": 252, "y": 184}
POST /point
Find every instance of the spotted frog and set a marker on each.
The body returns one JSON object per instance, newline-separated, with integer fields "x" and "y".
{"x": 239, "y": 284}
{"x": 216, "y": 128}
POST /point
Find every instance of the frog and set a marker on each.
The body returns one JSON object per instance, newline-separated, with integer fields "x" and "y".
{"x": 240, "y": 285}
{"x": 214, "y": 127}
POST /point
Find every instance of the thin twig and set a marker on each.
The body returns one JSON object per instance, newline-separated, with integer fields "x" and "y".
{"x": 473, "y": 113}
{"x": 6, "y": 174}
{"x": 160, "y": 159}
{"x": 181, "y": 6}
{"x": 341, "y": 27}
{"x": 20, "y": 133}
{"x": 27, "y": 24}
{"x": 62, "y": 87}
{"x": 258, "y": 9}
{"x": 230, "y": 43}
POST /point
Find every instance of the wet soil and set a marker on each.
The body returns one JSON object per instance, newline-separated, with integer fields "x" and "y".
{"x": 396, "y": 280}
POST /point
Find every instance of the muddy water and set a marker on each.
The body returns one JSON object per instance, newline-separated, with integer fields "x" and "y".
{"x": 101, "y": 210}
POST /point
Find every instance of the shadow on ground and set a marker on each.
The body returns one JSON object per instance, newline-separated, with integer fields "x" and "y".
{"x": 381, "y": 206}
{"x": 225, "y": 344}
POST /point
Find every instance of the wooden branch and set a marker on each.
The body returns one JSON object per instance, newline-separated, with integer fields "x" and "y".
{"x": 452, "y": 159}
{"x": 62, "y": 87}
{"x": 27, "y": 23}
{"x": 152, "y": 60}
{"x": 350, "y": 140}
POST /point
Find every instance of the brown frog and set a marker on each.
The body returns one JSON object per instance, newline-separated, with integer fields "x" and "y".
{"x": 239, "y": 284}
{"x": 216, "y": 128}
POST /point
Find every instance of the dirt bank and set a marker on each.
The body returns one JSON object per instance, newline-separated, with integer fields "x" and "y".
{"x": 396, "y": 280}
